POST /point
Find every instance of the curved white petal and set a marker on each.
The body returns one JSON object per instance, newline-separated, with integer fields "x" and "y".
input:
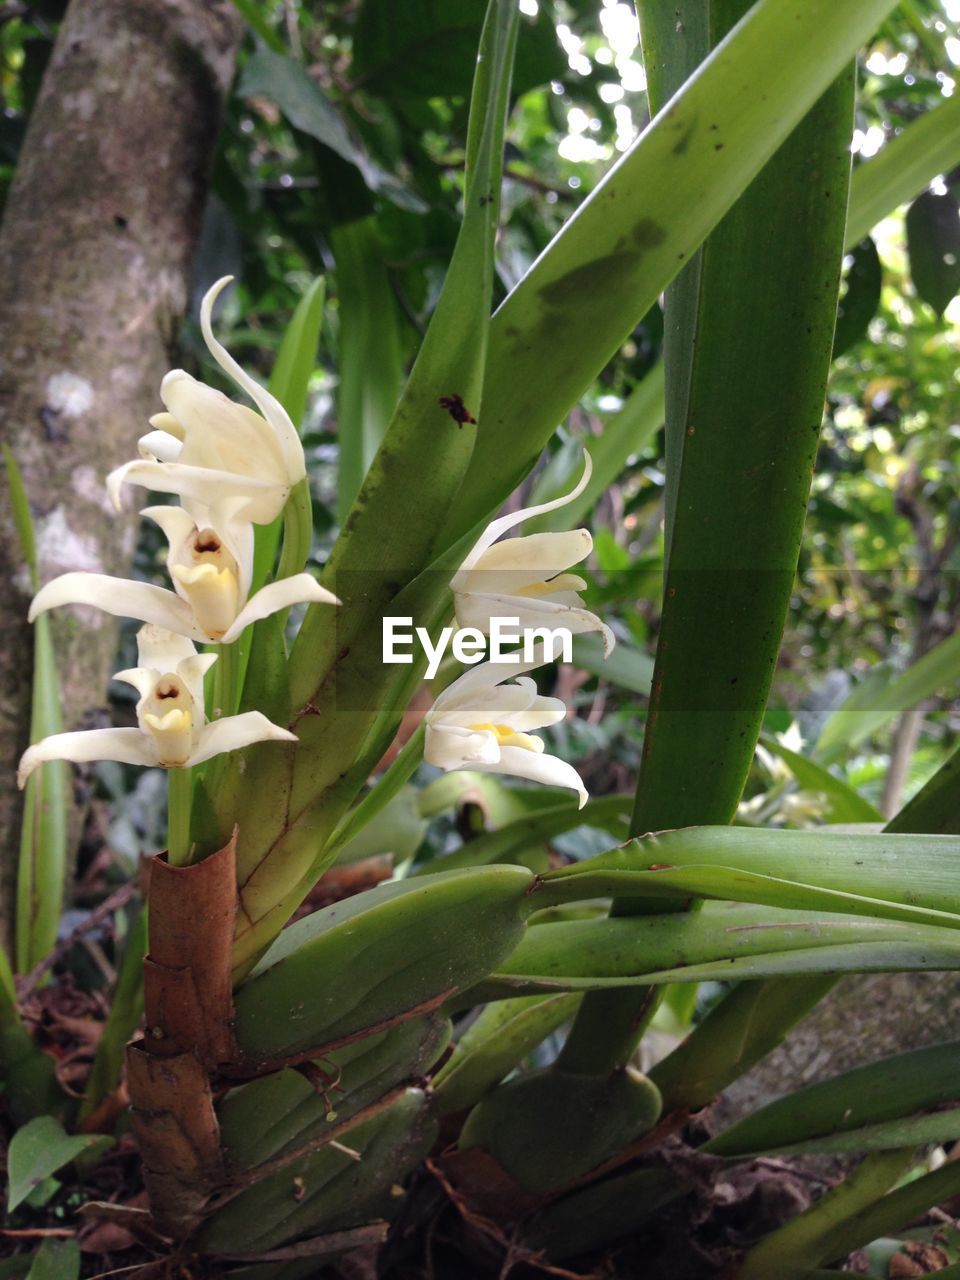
{"x": 499, "y": 526}
{"x": 265, "y": 498}
{"x": 550, "y": 770}
{"x": 234, "y": 732}
{"x": 166, "y": 422}
{"x": 478, "y": 610}
{"x": 504, "y": 699}
{"x": 516, "y": 562}
{"x": 299, "y": 589}
{"x": 269, "y": 406}
{"x": 121, "y": 597}
{"x": 451, "y": 747}
{"x": 129, "y": 746}
{"x": 177, "y": 524}
{"x": 483, "y": 676}
{"x": 160, "y": 445}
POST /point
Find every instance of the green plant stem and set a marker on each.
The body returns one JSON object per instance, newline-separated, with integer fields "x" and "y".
{"x": 297, "y": 530}
{"x": 401, "y": 769}
{"x": 226, "y": 673}
{"x": 179, "y": 797}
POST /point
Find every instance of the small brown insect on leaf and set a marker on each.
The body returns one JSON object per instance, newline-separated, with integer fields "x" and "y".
{"x": 457, "y": 410}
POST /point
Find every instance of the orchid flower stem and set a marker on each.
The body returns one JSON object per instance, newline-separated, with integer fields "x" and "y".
{"x": 400, "y": 771}
{"x": 226, "y": 675}
{"x": 297, "y": 531}
{"x": 179, "y": 796}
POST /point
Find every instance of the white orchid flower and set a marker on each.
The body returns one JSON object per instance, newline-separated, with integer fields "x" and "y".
{"x": 478, "y": 723}
{"x": 525, "y": 577}
{"x": 206, "y": 446}
{"x": 211, "y": 565}
{"x": 171, "y": 732}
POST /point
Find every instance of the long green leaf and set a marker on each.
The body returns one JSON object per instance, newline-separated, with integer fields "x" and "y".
{"x": 891, "y": 1089}
{"x": 744, "y": 402}
{"x": 870, "y": 707}
{"x": 385, "y": 543}
{"x": 126, "y": 1010}
{"x": 42, "y": 867}
{"x": 639, "y": 226}
{"x": 928, "y": 146}
{"x": 369, "y": 356}
{"x": 913, "y": 870}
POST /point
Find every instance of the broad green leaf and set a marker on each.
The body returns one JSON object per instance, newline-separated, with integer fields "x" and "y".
{"x": 392, "y": 948}
{"x": 250, "y": 10}
{"x": 873, "y": 705}
{"x": 39, "y": 1149}
{"x": 286, "y": 82}
{"x": 933, "y": 242}
{"x": 398, "y": 827}
{"x": 428, "y": 48}
{"x": 29, "y": 1079}
{"x": 859, "y": 302}
{"x": 56, "y": 1260}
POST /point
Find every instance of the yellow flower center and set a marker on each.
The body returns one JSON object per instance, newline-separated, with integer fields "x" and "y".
{"x": 508, "y": 737}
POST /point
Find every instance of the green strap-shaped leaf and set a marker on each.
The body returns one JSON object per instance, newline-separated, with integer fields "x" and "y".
{"x": 42, "y": 867}
{"x": 866, "y": 1097}
{"x": 385, "y": 543}
{"x": 927, "y": 146}
{"x": 744, "y": 403}
{"x": 370, "y": 362}
{"x": 611, "y": 261}
{"x": 871, "y": 706}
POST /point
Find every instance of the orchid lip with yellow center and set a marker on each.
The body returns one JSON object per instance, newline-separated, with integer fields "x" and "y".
{"x": 509, "y": 737}
{"x": 171, "y": 731}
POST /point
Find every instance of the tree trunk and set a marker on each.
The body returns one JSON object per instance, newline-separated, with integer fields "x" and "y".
{"x": 867, "y": 1017}
{"x": 95, "y": 253}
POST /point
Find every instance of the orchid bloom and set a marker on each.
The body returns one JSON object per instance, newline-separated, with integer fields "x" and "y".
{"x": 206, "y": 446}
{"x": 171, "y": 731}
{"x": 211, "y": 565}
{"x": 478, "y": 723}
{"x": 525, "y": 577}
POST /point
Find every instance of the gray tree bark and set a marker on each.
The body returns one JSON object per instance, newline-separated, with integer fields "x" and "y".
{"x": 95, "y": 252}
{"x": 865, "y": 1018}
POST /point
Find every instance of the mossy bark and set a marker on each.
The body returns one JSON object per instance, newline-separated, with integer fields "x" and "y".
{"x": 95, "y": 253}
